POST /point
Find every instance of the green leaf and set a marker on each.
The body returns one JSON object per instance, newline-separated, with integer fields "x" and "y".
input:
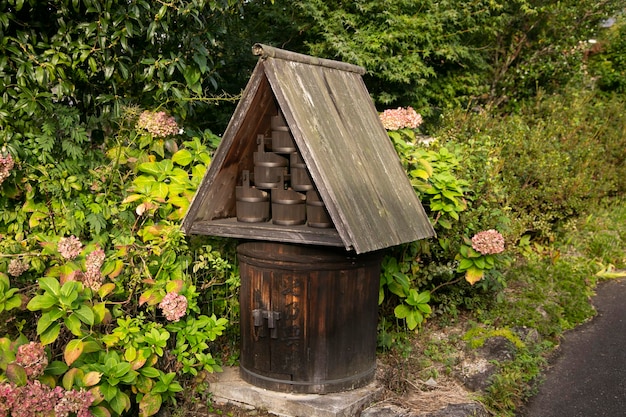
{"x": 50, "y": 285}
{"x": 99, "y": 411}
{"x": 445, "y": 223}
{"x": 109, "y": 392}
{"x": 419, "y": 298}
{"x": 36, "y": 218}
{"x": 4, "y": 282}
{"x": 50, "y": 334}
{"x": 74, "y": 374}
{"x": 92, "y": 346}
{"x": 42, "y": 302}
{"x": 401, "y": 311}
{"x": 100, "y": 312}
{"x": 149, "y": 405}
{"x": 130, "y": 354}
{"x": 121, "y": 369}
{"x": 97, "y": 222}
{"x": 420, "y": 173}
{"x": 72, "y": 322}
{"x": 151, "y": 168}
{"x": 414, "y": 319}
{"x": 57, "y": 368}
{"x": 465, "y": 264}
{"x": 479, "y": 262}
{"x": 424, "y": 308}
{"x": 120, "y": 402}
{"x": 47, "y": 319}
{"x": 73, "y": 350}
{"x": 403, "y": 280}
{"x": 159, "y": 191}
{"x": 149, "y": 372}
{"x": 183, "y": 157}
{"x": 13, "y": 302}
{"x": 85, "y": 314}
{"x": 16, "y": 374}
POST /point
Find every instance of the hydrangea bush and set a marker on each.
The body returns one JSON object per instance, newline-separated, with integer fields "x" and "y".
{"x": 99, "y": 287}
{"x": 413, "y": 272}
{"x": 6, "y": 165}
{"x": 37, "y": 399}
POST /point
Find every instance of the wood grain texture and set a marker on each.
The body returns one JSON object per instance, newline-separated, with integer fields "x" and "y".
{"x": 324, "y": 339}
{"x": 351, "y": 161}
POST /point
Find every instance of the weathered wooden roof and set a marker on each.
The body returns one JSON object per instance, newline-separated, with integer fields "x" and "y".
{"x": 345, "y": 147}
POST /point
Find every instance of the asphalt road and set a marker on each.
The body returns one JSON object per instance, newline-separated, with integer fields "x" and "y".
{"x": 588, "y": 379}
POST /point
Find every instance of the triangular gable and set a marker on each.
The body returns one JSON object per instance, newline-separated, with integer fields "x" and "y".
{"x": 338, "y": 133}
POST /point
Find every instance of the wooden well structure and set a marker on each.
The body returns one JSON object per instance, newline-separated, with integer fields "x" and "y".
{"x": 308, "y": 179}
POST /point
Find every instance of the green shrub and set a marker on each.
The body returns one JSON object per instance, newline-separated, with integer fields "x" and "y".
{"x": 94, "y": 252}
{"x": 545, "y": 164}
{"x": 607, "y": 58}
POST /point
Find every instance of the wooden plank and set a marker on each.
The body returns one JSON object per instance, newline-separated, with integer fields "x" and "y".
{"x": 215, "y": 197}
{"x": 230, "y": 227}
{"x": 350, "y": 157}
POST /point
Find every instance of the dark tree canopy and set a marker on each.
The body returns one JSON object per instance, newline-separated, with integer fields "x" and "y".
{"x": 437, "y": 54}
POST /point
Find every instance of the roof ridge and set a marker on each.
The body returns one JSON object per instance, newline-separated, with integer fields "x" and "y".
{"x": 266, "y": 51}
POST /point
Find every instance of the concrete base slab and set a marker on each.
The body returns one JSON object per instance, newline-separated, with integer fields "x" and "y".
{"x": 230, "y": 388}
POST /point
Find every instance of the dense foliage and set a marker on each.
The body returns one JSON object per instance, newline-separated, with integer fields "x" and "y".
{"x": 434, "y": 55}
{"x": 607, "y": 57}
{"x": 93, "y": 185}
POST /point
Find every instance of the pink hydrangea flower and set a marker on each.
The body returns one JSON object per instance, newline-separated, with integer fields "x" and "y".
{"x": 92, "y": 277}
{"x": 17, "y": 267}
{"x": 488, "y": 242}
{"x": 6, "y": 165}
{"x": 6, "y": 399}
{"x": 32, "y": 357}
{"x": 69, "y": 247}
{"x": 174, "y": 306}
{"x": 159, "y": 124}
{"x": 74, "y": 402}
{"x": 400, "y": 118}
{"x": 37, "y": 399}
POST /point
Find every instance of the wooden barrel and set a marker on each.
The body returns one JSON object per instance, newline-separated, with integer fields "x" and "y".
{"x": 308, "y": 317}
{"x": 316, "y": 213}
{"x": 282, "y": 141}
{"x": 300, "y": 177}
{"x": 252, "y": 205}
{"x": 288, "y": 207}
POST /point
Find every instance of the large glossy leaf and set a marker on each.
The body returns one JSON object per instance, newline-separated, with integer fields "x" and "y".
{"x": 72, "y": 322}
{"x": 57, "y": 368}
{"x": 149, "y": 405}
{"x": 120, "y": 403}
{"x": 85, "y": 314}
{"x": 183, "y": 157}
{"x": 50, "y": 334}
{"x": 16, "y": 374}
{"x": 73, "y": 350}
{"x": 71, "y": 376}
{"x": 48, "y": 318}
{"x": 50, "y": 285}
{"x": 473, "y": 275}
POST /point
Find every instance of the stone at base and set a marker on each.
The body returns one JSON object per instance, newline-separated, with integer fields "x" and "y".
{"x": 230, "y": 388}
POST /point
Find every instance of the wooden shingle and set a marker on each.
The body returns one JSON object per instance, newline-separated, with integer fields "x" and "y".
{"x": 338, "y": 134}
